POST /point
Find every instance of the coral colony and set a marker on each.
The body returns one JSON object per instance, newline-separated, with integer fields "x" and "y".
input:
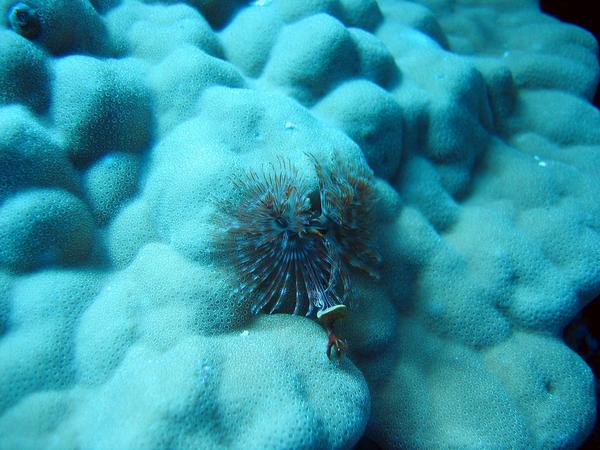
{"x": 292, "y": 244}
{"x": 467, "y": 149}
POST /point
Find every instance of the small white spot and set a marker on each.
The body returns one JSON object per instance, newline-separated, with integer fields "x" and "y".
{"x": 506, "y": 54}
{"x": 110, "y": 158}
{"x": 289, "y": 125}
{"x": 260, "y": 2}
{"x": 205, "y": 371}
{"x": 542, "y": 164}
{"x": 244, "y": 333}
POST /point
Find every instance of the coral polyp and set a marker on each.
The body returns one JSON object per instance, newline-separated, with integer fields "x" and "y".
{"x": 291, "y": 245}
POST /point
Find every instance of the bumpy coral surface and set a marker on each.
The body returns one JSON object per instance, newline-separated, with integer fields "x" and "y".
{"x": 121, "y": 121}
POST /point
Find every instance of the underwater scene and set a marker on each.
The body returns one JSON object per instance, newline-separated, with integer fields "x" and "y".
{"x": 297, "y": 224}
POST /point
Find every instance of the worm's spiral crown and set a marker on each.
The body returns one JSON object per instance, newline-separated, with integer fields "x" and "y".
{"x": 291, "y": 245}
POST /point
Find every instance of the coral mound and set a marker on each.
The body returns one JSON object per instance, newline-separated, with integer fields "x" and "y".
{"x": 123, "y": 121}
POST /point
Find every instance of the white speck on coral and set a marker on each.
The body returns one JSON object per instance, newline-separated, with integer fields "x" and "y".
{"x": 261, "y": 2}
{"x": 289, "y": 125}
{"x": 542, "y": 164}
{"x": 205, "y": 371}
{"x": 244, "y": 333}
